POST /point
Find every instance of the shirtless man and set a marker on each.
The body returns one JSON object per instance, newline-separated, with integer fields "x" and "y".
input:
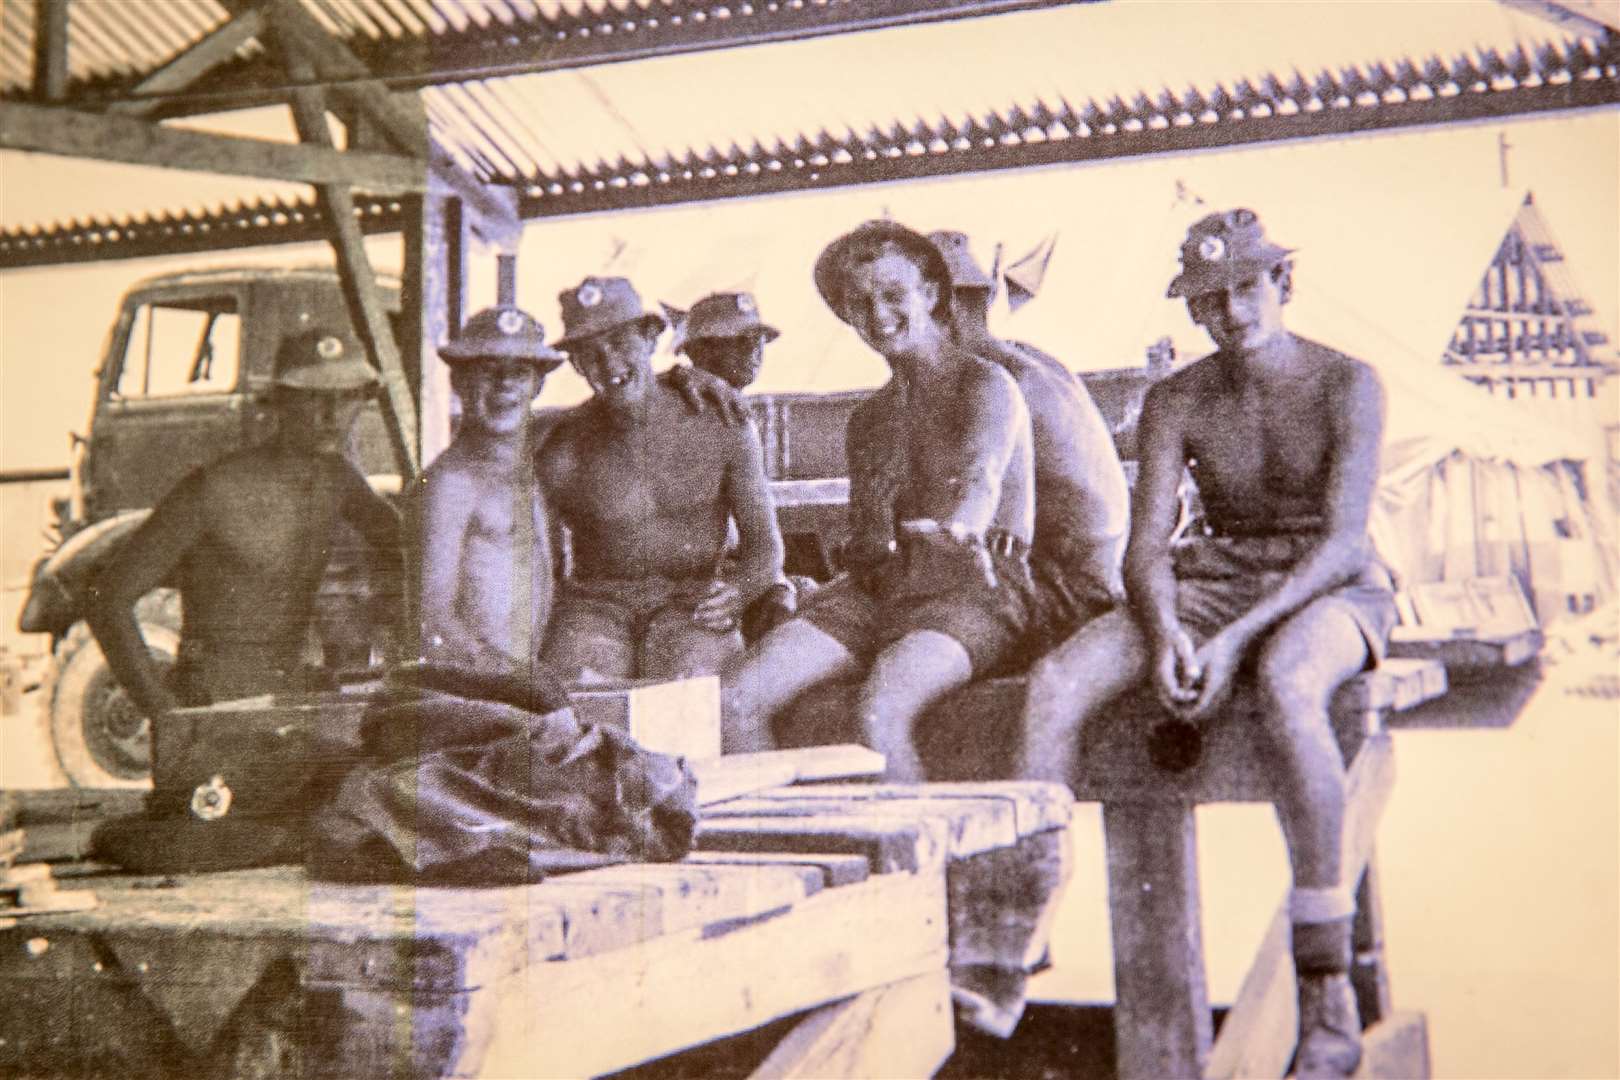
{"x": 942, "y": 508}
{"x": 648, "y": 489}
{"x": 1282, "y": 436}
{"x": 247, "y": 539}
{"x": 487, "y": 563}
{"x": 1082, "y": 500}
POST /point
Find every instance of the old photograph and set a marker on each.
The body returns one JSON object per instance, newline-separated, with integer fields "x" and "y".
{"x": 809, "y": 538}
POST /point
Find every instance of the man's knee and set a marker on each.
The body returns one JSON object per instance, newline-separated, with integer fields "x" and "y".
{"x": 1293, "y": 692}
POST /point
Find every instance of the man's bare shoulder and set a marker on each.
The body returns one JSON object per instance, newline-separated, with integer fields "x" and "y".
{"x": 452, "y": 472}
{"x": 1341, "y": 370}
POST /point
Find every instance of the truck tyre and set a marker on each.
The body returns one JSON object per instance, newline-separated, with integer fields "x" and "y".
{"x": 100, "y": 738}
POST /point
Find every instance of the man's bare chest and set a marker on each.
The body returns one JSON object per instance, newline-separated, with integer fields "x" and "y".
{"x": 270, "y": 528}
{"x": 638, "y": 479}
{"x": 1281, "y": 442}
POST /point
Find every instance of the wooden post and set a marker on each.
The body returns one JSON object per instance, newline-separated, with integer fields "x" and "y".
{"x": 432, "y": 297}
{"x": 1368, "y": 972}
{"x": 506, "y": 279}
{"x": 50, "y": 49}
{"x": 359, "y": 282}
{"x": 1162, "y": 1023}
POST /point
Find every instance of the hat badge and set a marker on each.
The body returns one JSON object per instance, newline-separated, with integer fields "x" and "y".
{"x": 510, "y": 322}
{"x": 1212, "y": 248}
{"x": 745, "y": 304}
{"x": 589, "y": 295}
{"x": 329, "y": 348}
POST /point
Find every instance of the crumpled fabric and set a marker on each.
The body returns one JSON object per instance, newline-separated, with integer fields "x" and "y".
{"x": 466, "y": 791}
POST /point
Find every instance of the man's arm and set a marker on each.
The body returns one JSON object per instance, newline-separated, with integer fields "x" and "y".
{"x": 759, "y": 543}
{"x": 994, "y": 415}
{"x": 1150, "y": 581}
{"x": 144, "y": 562}
{"x": 702, "y": 391}
{"x": 1358, "y": 433}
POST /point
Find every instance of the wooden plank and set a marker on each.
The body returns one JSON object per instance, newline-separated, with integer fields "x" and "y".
{"x": 671, "y": 716}
{"x": 130, "y": 141}
{"x": 54, "y": 805}
{"x": 890, "y": 845}
{"x": 1258, "y": 1035}
{"x": 975, "y": 825}
{"x": 1394, "y": 684}
{"x": 215, "y": 48}
{"x": 900, "y": 1030}
{"x": 568, "y": 1019}
{"x": 1036, "y": 806}
{"x": 1396, "y": 1049}
{"x": 359, "y": 282}
{"x": 50, "y": 49}
{"x": 1511, "y": 650}
{"x": 727, "y": 777}
{"x": 1368, "y": 971}
{"x": 1162, "y": 1022}
{"x": 835, "y": 870}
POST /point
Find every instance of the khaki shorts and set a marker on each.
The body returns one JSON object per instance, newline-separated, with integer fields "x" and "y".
{"x": 1219, "y": 578}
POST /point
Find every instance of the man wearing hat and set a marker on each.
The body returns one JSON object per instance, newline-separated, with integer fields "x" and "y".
{"x": 247, "y": 539}
{"x": 648, "y": 489}
{"x": 726, "y": 337}
{"x": 942, "y": 508}
{"x": 1282, "y": 436}
{"x": 487, "y": 562}
{"x": 1082, "y": 501}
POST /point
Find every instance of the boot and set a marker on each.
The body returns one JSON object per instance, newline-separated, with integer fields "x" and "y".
{"x": 1329, "y": 1027}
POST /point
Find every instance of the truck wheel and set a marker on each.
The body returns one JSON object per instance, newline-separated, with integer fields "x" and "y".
{"x": 100, "y": 737}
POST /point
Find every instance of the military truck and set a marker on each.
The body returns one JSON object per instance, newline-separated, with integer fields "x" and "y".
{"x": 183, "y": 380}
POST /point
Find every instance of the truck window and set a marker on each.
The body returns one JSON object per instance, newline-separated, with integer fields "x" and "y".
{"x": 181, "y": 348}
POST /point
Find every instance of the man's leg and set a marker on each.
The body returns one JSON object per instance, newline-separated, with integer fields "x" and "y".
{"x": 1299, "y": 668}
{"x": 588, "y": 641}
{"x": 674, "y": 647}
{"x": 759, "y": 683}
{"x": 909, "y": 676}
{"x": 1102, "y": 660}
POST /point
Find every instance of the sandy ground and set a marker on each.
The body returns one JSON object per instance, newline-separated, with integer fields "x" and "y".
{"x": 1501, "y": 861}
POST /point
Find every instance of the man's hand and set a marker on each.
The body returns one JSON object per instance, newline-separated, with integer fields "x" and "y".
{"x": 719, "y": 607}
{"x": 1218, "y": 661}
{"x": 1177, "y": 672}
{"x": 704, "y": 391}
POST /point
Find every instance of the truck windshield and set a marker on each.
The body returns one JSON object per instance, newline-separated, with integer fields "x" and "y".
{"x": 181, "y": 348}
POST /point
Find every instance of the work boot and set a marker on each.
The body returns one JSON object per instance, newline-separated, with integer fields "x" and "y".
{"x": 1329, "y": 1027}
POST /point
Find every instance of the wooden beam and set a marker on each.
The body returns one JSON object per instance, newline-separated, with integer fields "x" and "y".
{"x": 359, "y": 283}
{"x": 50, "y": 49}
{"x": 401, "y": 117}
{"x": 903, "y": 1029}
{"x": 1586, "y": 18}
{"x": 214, "y": 49}
{"x": 1257, "y": 1038}
{"x": 135, "y": 142}
{"x": 1162, "y": 1022}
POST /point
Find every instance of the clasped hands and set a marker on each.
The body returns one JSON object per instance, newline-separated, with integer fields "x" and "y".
{"x": 1193, "y": 681}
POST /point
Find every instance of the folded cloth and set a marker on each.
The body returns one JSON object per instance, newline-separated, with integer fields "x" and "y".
{"x": 478, "y": 792}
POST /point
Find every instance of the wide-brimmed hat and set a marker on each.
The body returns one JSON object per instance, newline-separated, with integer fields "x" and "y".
{"x": 965, "y": 270}
{"x": 1223, "y": 249}
{"x": 834, "y": 257}
{"x": 323, "y": 361}
{"x": 726, "y": 315}
{"x": 502, "y": 332}
{"x": 597, "y": 305}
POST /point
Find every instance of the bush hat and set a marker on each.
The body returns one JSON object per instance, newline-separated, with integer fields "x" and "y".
{"x": 726, "y": 315}
{"x": 1223, "y": 249}
{"x": 323, "y": 361}
{"x": 965, "y": 270}
{"x": 597, "y": 305}
{"x": 833, "y": 261}
{"x": 502, "y": 332}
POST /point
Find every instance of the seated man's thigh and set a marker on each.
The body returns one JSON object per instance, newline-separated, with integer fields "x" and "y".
{"x": 1309, "y": 655}
{"x": 588, "y": 641}
{"x": 675, "y": 647}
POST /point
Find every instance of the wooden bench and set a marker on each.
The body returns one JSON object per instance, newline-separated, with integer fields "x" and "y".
{"x": 1162, "y": 1016}
{"x": 853, "y": 905}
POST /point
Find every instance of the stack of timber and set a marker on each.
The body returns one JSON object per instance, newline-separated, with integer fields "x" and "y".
{"x": 846, "y": 911}
{"x": 29, "y": 889}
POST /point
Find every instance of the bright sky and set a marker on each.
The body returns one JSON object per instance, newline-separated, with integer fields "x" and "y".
{"x": 1393, "y": 230}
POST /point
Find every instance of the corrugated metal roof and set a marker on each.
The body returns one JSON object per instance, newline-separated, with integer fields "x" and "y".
{"x": 1049, "y": 86}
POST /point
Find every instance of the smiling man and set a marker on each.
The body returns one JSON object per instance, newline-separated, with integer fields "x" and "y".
{"x": 247, "y": 538}
{"x": 487, "y": 562}
{"x": 648, "y": 489}
{"x": 1282, "y": 436}
{"x": 942, "y": 508}
{"x": 726, "y": 337}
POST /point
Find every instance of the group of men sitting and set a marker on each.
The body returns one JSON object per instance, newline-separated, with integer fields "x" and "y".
{"x": 991, "y": 531}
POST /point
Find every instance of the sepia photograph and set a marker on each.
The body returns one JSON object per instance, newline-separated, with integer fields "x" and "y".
{"x": 685, "y": 539}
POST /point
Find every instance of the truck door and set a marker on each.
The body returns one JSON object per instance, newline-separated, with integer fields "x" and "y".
{"x": 170, "y": 397}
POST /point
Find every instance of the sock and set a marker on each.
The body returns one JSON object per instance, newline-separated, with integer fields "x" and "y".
{"x": 1322, "y": 948}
